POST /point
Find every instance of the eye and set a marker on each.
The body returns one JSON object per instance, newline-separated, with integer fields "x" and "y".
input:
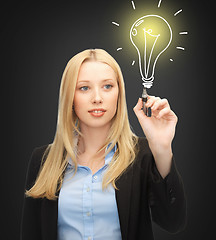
{"x": 108, "y": 86}
{"x": 84, "y": 88}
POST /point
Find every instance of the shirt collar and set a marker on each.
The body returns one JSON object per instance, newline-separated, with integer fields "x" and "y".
{"x": 107, "y": 158}
{"x": 114, "y": 149}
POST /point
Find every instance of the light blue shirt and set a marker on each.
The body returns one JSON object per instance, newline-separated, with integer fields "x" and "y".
{"x": 85, "y": 211}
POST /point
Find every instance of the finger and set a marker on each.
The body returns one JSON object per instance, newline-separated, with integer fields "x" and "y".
{"x": 159, "y": 104}
{"x": 165, "y": 111}
{"x": 155, "y": 113}
{"x": 151, "y": 100}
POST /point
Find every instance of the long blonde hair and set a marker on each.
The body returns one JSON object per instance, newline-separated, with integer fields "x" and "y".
{"x": 57, "y": 154}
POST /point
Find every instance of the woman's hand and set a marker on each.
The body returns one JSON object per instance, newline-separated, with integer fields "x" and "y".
{"x": 159, "y": 129}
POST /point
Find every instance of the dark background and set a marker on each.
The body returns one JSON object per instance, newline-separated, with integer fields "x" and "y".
{"x": 37, "y": 41}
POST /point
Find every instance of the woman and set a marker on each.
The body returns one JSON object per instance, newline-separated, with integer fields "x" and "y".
{"x": 98, "y": 180}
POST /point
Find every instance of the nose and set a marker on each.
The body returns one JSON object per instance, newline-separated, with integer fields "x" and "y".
{"x": 97, "y": 96}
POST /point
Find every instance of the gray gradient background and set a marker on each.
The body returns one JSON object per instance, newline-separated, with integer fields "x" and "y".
{"x": 39, "y": 38}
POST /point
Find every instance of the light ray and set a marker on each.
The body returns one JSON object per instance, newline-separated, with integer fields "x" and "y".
{"x": 178, "y": 12}
{"x": 118, "y": 49}
{"x": 115, "y": 23}
{"x": 133, "y": 63}
{"x": 159, "y": 3}
{"x": 171, "y": 60}
{"x": 181, "y": 48}
{"x": 183, "y": 33}
{"x": 132, "y": 2}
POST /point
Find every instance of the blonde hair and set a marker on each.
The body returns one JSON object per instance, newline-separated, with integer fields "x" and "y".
{"x": 57, "y": 154}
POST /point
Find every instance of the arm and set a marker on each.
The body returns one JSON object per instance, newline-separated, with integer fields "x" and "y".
{"x": 166, "y": 193}
{"x": 159, "y": 130}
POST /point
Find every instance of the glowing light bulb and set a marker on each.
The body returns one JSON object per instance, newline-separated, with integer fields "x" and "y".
{"x": 151, "y": 35}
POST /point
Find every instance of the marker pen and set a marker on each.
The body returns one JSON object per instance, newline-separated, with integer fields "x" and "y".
{"x": 146, "y": 110}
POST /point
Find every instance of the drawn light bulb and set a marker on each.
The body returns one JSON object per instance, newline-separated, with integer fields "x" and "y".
{"x": 151, "y": 35}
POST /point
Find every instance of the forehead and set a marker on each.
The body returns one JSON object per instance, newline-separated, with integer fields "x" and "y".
{"x": 92, "y": 70}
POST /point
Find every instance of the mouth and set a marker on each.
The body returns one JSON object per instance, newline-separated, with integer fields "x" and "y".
{"x": 97, "y": 112}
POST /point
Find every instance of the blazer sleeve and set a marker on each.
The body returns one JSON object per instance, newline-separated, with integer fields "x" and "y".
{"x": 167, "y": 198}
{"x": 31, "y": 213}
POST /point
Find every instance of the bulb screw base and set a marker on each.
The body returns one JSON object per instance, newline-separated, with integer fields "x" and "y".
{"x": 147, "y": 82}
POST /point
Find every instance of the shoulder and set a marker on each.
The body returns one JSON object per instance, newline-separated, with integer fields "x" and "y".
{"x": 140, "y": 167}
{"x": 37, "y": 155}
{"x": 34, "y": 164}
{"x": 143, "y": 149}
{"x": 143, "y": 142}
{"x": 144, "y": 159}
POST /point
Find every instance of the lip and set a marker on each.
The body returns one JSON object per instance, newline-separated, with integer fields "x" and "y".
{"x": 97, "y": 109}
{"x": 100, "y": 114}
{"x": 94, "y": 114}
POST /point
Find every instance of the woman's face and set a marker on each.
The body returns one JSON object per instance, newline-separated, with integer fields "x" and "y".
{"x": 96, "y": 94}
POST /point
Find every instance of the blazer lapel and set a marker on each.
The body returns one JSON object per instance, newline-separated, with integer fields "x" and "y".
{"x": 123, "y": 198}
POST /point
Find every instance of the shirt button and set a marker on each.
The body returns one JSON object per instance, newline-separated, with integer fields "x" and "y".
{"x": 88, "y": 189}
{"x": 88, "y": 214}
{"x": 89, "y": 238}
{"x": 95, "y": 177}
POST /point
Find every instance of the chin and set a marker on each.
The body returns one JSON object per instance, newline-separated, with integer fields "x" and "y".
{"x": 95, "y": 123}
{"x": 98, "y": 125}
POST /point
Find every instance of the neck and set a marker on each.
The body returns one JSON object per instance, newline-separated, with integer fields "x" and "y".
{"x": 92, "y": 140}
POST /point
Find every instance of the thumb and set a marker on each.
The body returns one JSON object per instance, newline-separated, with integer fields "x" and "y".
{"x": 138, "y": 106}
{"x": 142, "y": 118}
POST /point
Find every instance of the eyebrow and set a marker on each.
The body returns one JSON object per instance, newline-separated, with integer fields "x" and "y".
{"x": 104, "y": 80}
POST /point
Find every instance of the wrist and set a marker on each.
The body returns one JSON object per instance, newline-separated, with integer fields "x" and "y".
{"x": 161, "y": 149}
{"x": 163, "y": 158}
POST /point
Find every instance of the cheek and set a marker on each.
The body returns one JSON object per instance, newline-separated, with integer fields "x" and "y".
{"x": 114, "y": 99}
{"x": 78, "y": 102}
{"x": 78, "y": 99}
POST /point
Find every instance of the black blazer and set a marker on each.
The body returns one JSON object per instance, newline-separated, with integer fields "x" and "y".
{"x": 143, "y": 196}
